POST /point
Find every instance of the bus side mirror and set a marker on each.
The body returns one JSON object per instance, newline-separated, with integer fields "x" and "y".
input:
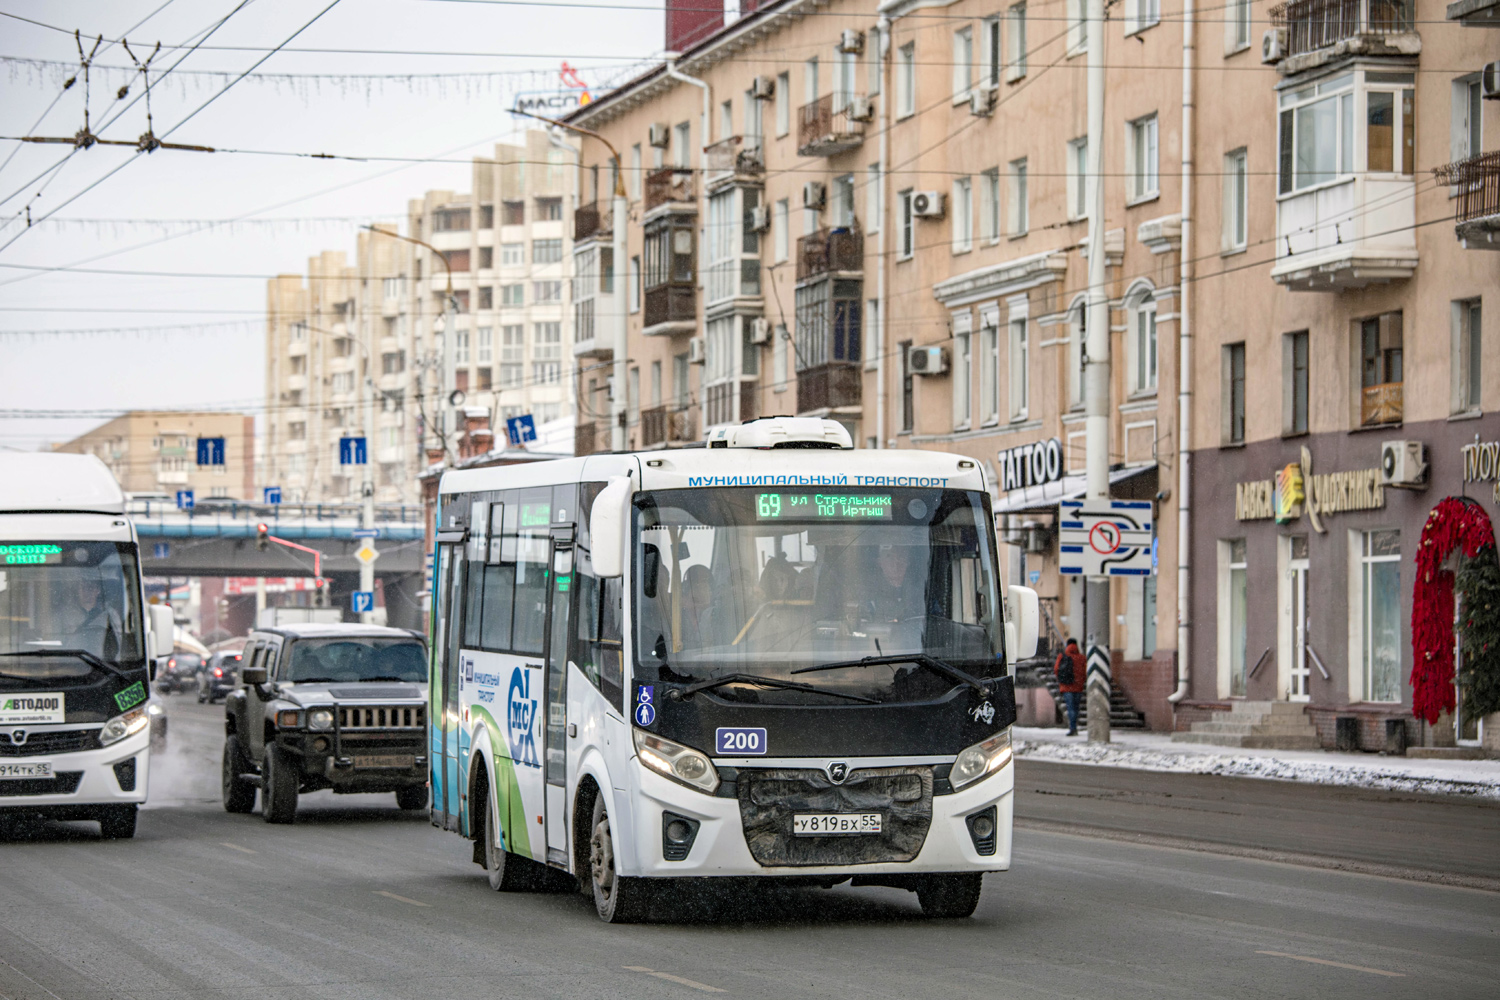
{"x": 162, "y": 629}
{"x": 1025, "y": 616}
{"x": 607, "y": 528}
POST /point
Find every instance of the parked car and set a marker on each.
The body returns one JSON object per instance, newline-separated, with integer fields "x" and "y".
{"x": 218, "y": 677}
{"x": 179, "y": 674}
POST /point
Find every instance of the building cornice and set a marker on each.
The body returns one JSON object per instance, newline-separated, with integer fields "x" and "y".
{"x": 999, "y": 280}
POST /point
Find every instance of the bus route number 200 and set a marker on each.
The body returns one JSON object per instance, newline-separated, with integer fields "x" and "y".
{"x": 739, "y": 742}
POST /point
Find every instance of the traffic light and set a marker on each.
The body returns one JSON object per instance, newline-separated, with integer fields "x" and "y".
{"x": 262, "y": 537}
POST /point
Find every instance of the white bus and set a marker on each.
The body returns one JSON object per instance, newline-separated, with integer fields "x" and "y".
{"x": 775, "y": 656}
{"x": 76, "y": 649}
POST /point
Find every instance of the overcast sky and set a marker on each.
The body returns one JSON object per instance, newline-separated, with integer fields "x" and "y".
{"x": 220, "y": 360}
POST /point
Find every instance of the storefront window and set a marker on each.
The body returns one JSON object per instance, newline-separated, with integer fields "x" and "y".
{"x": 1380, "y": 572}
{"x": 1237, "y": 630}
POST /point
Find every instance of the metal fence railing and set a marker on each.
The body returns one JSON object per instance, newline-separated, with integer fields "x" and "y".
{"x": 1317, "y": 24}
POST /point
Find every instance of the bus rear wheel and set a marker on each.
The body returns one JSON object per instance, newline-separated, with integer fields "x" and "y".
{"x": 619, "y": 899}
{"x": 950, "y": 896}
{"x": 507, "y": 872}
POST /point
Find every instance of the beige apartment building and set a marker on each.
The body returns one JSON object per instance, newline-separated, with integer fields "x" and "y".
{"x": 152, "y": 451}
{"x": 875, "y": 213}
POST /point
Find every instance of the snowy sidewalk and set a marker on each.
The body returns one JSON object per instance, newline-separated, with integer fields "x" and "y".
{"x": 1156, "y": 752}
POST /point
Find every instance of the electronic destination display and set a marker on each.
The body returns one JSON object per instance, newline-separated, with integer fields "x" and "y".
{"x": 30, "y": 555}
{"x": 823, "y": 506}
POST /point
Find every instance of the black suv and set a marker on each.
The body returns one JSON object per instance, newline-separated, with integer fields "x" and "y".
{"x": 326, "y": 706}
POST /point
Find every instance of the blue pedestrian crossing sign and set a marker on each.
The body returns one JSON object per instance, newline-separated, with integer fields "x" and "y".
{"x": 352, "y": 451}
{"x": 211, "y": 451}
{"x": 520, "y": 429}
{"x": 361, "y": 601}
{"x": 271, "y": 494}
{"x": 184, "y": 499}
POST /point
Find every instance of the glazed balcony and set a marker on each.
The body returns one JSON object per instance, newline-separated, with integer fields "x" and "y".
{"x": 1347, "y": 234}
{"x": 1476, "y": 186}
{"x": 828, "y": 128}
{"x": 828, "y": 251}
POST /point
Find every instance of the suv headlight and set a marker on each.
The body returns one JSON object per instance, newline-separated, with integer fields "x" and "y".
{"x": 320, "y": 718}
{"x": 121, "y": 726}
{"x": 675, "y": 761}
{"x": 981, "y": 760}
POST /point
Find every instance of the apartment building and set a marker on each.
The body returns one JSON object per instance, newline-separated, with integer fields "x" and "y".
{"x": 876, "y": 213}
{"x": 156, "y": 451}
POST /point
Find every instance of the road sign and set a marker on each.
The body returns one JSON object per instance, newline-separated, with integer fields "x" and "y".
{"x": 184, "y": 499}
{"x": 366, "y": 532}
{"x": 211, "y": 451}
{"x": 367, "y": 554}
{"x": 161, "y": 550}
{"x": 1105, "y": 538}
{"x": 520, "y": 429}
{"x": 352, "y": 451}
{"x": 271, "y": 494}
{"x": 361, "y": 601}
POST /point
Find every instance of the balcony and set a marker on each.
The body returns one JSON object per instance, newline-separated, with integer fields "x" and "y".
{"x": 670, "y": 186}
{"x": 830, "y": 251}
{"x": 1380, "y": 404}
{"x": 670, "y": 309}
{"x": 826, "y": 129}
{"x": 828, "y": 387}
{"x": 734, "y": 160}
{"x": 1318, "y": 31}
{"x": 666, "y": 425}
{"x": 1475, "y": 13}
{"x": 593, "y": 221}
{"x": 1352, "y": 233}
{"x": 590, "y": 438}
{"x": 1476, "y": 216}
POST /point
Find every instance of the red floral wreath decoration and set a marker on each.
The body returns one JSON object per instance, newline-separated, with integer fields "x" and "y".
{"x": 1453, "y": 523}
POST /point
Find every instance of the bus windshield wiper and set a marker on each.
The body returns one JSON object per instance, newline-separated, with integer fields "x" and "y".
{"x": 77, "y": 654}
{"x": 932, "y": 663}
{"x": 771, "y": 682}
{"x": 34, "y": 681}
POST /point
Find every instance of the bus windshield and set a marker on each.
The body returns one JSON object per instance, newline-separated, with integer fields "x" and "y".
{"x": 68, "y": 595}
{"x": 766, "y": 581}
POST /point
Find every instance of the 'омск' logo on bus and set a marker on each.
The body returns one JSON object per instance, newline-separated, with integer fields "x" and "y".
{"x": 520, "y": 713}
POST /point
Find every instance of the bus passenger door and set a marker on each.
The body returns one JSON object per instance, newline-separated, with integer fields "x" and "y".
{"x": 443, "y": 701}
{"x": 559, "y": 618}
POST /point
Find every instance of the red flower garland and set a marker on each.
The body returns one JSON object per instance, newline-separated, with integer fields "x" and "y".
{"x": 1452, "y": 523}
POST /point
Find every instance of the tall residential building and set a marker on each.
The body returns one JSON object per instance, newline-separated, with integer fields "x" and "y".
{"x": 888, "y": 227}
{"x": 156, "y": 451}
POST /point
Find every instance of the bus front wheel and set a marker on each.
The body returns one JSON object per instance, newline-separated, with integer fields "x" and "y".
{"x": 618, "y": 898}
{"x": 950, "y": 896}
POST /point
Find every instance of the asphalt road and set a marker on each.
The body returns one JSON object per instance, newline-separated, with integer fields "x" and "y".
{"x": 359, "y": 900}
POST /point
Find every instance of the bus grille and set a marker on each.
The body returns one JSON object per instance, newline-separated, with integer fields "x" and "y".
{"x": 64, "y": 783}
{"x": 769, "y": 798}
{"x": 46, "y": 743}
{"x": 355, "y": 718}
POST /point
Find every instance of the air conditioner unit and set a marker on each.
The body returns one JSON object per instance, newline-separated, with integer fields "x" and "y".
{"x": 927, "y": 204}
{"x": 982, "y": 102}
{"x": 1489, "y": 81}
{"x": 927, "y": 360}
{"x": 760, "y": 331}
{"x": 760, "y": 218}
{"x": 1038, "y": 537}
{"x": 852, "y": 41}
{"x": 814, "y": 194}
{"x": 658, "y": 135}
{"x": 763, "y": 88}
{"x": 1403, "y": 464}
{"x": 695, "y": 351}
{"x": 858, "y": 108}
{"x": 1273, "y": 46}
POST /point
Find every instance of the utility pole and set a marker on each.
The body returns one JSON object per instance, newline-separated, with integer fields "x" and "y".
{"x": 367, "y": 488}
{"x": 1097, "y": 383}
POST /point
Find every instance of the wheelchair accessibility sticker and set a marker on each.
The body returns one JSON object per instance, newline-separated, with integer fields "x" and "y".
{"x": 645, "y": 705}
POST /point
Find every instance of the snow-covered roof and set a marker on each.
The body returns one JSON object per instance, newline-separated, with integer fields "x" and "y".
{"x": 58, "y": 482}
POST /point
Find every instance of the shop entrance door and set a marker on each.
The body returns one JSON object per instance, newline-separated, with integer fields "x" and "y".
{"x": 1299, "y": 689}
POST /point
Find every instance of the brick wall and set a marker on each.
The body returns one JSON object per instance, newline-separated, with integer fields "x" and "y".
{"x": 1371, "y": 726}
{"x": 1147, "y": 683}
{"x": 1189, "y": 712}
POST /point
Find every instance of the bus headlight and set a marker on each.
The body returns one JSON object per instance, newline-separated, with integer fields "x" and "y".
{"x": 675, "y": 761}
{"x": 981, "y": 760}
{"x": 320, "y": 718}
{"x": 121, "y": 726}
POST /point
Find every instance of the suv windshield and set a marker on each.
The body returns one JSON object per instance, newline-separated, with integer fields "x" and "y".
{"x": 68, "y": 595}
{"x": 755, "y": 582}
{"x": 356, "y": 659}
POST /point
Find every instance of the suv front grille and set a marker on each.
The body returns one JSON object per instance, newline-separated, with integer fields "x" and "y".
{"x": 355, "y": 718}
{"x": 45, "y": 743}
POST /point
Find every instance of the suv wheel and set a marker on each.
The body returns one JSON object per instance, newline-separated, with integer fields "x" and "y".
{"x": 117, "y": 822}
{"x": 619, "y": 899}
{"x": 239, "y": 794}
{"x": 278, "y": 788}
{"x": 950, "y": 896}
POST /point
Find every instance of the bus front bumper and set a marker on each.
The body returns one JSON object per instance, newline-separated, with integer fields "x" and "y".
{"x": 83, "y": 780}
{"x": 719, "y": 846}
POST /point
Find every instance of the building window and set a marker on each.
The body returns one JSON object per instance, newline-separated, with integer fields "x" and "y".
{"x": 1017, "y": 52}
{"x": 908, "y": 241}
{"x": 1467, "y": 118}
{"x": 1020, "y": 215}
{"x": 845, "y": 66}
{"x": 726, "y": 119}
{"x": 1078, "y": 174}
{"x": 681, "y": 393}
{"x": 1078, "y": 26}
{"x": 908, "y": 388}
{"x": 512, "y": 295}
{"x": 1141, "y": 14}
{"x": 1390, "y": 131}
{"x": 1316, "y": 134}
{"x": 393, "y": 288}
{"x": 1380, "y": 608}
{"x": 1237, "y": 26}
{"x": 484, "y": 379}
{"x": 1077, "y": 349}
{"x": 1143, "y": 343}
{"x": 486, "y": 216}
{"x": 1143, "y": 159}
{"x": 1467, "y": 354}
{"x": 486, "y": 351}
{"x": 906, "y": 80}
{"x": 549, "y": 210}
{"x": 963, "y": 63}
{"x": 458, "y": 260}
{"x": 963, "y": 368}
{"x": 1232, "y": 614}
{"x": 782, "y": 223}
{"x": 635, "y": 284}
{"x": 989, "y": 205}
{"x": 512, "y": 355}
{"x": 1234, "y": 393}
{"x": 873, "y": 191}
{"x": 1294, "y": 367}
{"x": 546, "y": 251}
{"x": 1020, "y": 369}
{"x": 1380, "y": 370}
{"x": 783, "y": 104}
{"x": 546, "y": 291}
{"x": 993, "y": 56}
{"x": 512, "y": 254}
{"x": 1236, "y": 200}
{"x": 635, "y": 172}
{"x": 546, "y": 353}
{"x": 842, "y": 202}
{"x": 450, "y": 220}
{"x": 989, "y": 365}
{"x": 460, "y": 356}
{"x": 486, "y": 297}
{"x": 512, "y": 213}
{"x": 963, "y": 215}
{"x": 682, "y": 144}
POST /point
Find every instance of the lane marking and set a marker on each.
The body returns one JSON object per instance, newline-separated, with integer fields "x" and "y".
{"x": 237, "y": 847}
{"x": 675, "y": 979}
{"x": 1336, "y": 965}
{"x": 402, "y": 899}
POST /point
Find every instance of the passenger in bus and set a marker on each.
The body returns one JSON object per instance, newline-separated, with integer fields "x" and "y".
{"x": 779, "y": 579}
{"x": 699, "y": 619}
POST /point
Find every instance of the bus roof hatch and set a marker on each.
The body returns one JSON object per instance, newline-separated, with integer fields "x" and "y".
{"x": 783, "y": 432}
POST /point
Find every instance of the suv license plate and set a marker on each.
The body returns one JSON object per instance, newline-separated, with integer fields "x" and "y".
{"x": 30, "y": 769}
{"x": 834, "y": 824}
{"x": 384, "y": 760}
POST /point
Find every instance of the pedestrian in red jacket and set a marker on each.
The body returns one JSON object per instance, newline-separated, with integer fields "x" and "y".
{"x": 1071, "y": 673}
